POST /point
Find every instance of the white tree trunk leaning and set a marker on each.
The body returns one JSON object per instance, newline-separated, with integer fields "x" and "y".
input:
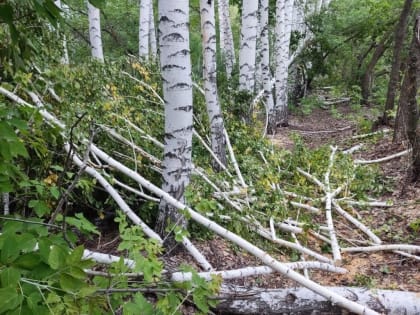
{"x": 144, "y": 29}
{"x": 248, "y": 45}
{"x": 95, "y": 36}
{"x": 208, "y": 33}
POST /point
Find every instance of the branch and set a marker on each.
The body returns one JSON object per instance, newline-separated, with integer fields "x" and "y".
{"x": 256, "y": 271}
{"x": 376, "y": 248}
{"x": 384, "y": 159}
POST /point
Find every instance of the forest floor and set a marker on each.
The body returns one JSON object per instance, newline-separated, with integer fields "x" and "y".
{"x": 384, "y": 270}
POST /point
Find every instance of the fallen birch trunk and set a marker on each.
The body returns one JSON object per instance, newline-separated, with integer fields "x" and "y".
{"x": 301, "y": 301}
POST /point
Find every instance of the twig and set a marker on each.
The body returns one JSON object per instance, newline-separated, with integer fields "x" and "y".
{"x": 305, "y": 270}
{"x": 357, "y": 223}
{"x": 233, "y": 159}
{"x": 384, "y": 159}
{"x": 366, "y": 135}
{"x": 211, "y": 152}
{"x": 376, "y": 248}
{"x": 198, "y": 256}
{"x": 116, "y": 196}
{"x": 145, "y": 85}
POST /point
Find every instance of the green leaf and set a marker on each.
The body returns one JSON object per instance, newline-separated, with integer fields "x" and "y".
{"x": 200, "y": 301}
{"x": 18, "y": 149}
{"x": 57, "y": 257}
{"x": 27, "y": 261}
{"x": 139, "y": 303}
{"x": 40, "y": 207}
{"x": 75, "y": 256}
{"x": 77, "y": 273}
{"x": 70, "y": 283}
{"x": 25, "y": 242}
{"x": 83, "y": 224}
{"x": 9, "y": 277}
{"x": 55, "y": 192}
{"x": 7, "y": 132}
{"x": 6, "y": 13}
{"x": 9, "y": 300}
{"x": 10, "y": 250}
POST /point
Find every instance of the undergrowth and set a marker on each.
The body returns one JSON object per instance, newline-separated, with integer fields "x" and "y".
{"x": 42, "y": 269}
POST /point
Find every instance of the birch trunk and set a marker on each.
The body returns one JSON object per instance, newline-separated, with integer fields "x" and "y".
{"x": 177, "y": 92}
{"x": 208, "y": 33}
{"x": 284, "y": 11}
{"x": 152, "y": 33}
{"x": 226, "y": 37}
{"x": 65, "y": 56}
{"x": 94, "y": 16}
{"x": 144, "y": 29}
{"x": 265, "y": 64}
{"x": 247, "y": 50}
{"x": 301, "y": 301}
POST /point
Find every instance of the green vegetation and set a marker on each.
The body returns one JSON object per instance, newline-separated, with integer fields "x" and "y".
{"x": 54, "y": 207}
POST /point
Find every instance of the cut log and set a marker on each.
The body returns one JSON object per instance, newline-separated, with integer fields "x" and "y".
{"x": 301, "y": 301}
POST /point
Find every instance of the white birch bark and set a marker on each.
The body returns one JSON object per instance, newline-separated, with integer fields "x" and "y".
{"x": 177, "y": 92}
{"x": 144, "y": 29}
{"x": 208, "y": 33}
{"x": 65, "y": 56}
{"x": 265, "y": 63}
{"x": 284, "y": 11}
{"x": 247, "y": 49}
{"x": 296, "y": 301}
{"x": 94, "y": 16}
{"x": 152, "y": 33}
{"x": 226, "y": 37}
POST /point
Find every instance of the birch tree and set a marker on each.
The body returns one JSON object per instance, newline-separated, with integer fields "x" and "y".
{"x": 152, "y": 33}
{"x": 248, "y": 43}
{"x": 94, "y": 16}
{"x": 144, "y": 28}
{"x": 226, "y": 37}
{"x": 175, "y": 65}
{"x": 65, "y": 56}
{"x": 208, "y": 33}
{"x": 265, "y": 63}
{"x": 284, "y": 12}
